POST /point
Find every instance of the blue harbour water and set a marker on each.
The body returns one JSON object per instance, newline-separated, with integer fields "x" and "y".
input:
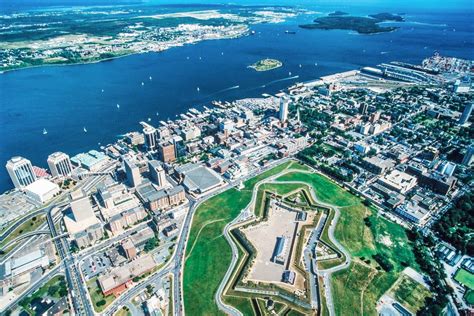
{"x": 65, "y": 99}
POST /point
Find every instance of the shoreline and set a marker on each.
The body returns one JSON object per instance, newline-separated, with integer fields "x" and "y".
{"x": 2, "y": 72}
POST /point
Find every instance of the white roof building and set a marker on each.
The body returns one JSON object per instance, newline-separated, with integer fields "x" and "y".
{"x": 42, "y": 190}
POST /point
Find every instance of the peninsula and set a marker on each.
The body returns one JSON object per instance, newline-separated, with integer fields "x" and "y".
{"x": 362, "y": 25}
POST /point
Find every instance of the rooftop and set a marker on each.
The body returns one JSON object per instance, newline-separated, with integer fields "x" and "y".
{"x": 42, "y": 187}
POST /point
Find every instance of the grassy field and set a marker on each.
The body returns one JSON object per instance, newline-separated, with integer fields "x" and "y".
{"x": 360, "y": 286}
{"x": 207, "y": 254}
{"x": 28, "y": 226}
{"x": 465, "y": 277}
{"x": 409, "y": 293}
{"x": 469, "y": 297}
{"x": 99, "y": 301}
{"x": 124, "y": 311}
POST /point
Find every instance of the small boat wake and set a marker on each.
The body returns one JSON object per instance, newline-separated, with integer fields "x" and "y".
{"x": 224, "y": 90}
{"x": 279, "y": 80}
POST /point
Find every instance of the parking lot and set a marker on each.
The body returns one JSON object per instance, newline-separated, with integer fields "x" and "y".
{"x": 94, "y": 265}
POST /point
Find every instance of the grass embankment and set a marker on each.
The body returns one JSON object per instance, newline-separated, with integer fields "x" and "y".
{"x": 124, "y": 311}
{"x": 28, "y": 226}
{"x": 208, "y": 254}
{"x": 410, "y": 293}
{"x": 465, "y": 277}
{"x": 359, "y": 287}
{"x": 54, "y": 288}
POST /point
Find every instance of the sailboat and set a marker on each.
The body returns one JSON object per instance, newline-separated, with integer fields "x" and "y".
{"x": 157, "y": 113}
{"x": 143, "y": 83}
{"x": 118, "y": 106}
{"x": 85, "y": 130}
{"x": 198, "y": 89}
{"x": 149, "y": 119}
{"x": 150, "y": 78}
{"x": 102, "y": 90}
{"x": 45, "y": 131}
{"x": 300, "y": 66}
{"x": 289, "y": 74}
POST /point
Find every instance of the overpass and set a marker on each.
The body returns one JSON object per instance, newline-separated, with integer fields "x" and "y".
{"x": 30, "y": 234}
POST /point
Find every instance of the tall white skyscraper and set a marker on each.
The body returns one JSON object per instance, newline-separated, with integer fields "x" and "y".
{"x": 59, "y": 164}
{"x": 284, "y": 102}
{"x": 150, "y": 136}
{"x": 21, "y": 172}
{"x": 133, "y": 173}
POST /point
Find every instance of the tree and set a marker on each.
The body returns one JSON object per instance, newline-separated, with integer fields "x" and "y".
{"x": 52, "y": 290}
{"x": 149, "y": 289}
{"x": 151, "y": 244}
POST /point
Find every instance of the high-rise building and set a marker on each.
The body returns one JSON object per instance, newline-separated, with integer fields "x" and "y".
{"x": 469, "y": 156}
{"x": 466, "y": 113}
{"x": 59, "y": 164}
{"x": 374, "y": 117}
{"x": 363, "y": 107}
{"x": 20, "y": 171}
{"x": 133, "y": 173}
{"x": 150, "y": 137}
{"x": 166, "y": 152}
{"x": 157, "y": 173}
{"x": 283, "y": 114}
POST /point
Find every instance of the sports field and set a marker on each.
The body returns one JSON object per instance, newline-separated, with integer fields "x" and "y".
{"x": 465, "y": 277}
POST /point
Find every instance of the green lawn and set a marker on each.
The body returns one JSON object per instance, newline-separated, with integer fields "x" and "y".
{"x": 469, "y": 297}
{"x": 465, "y": 277}
{"x": 410, "y": 293}
{"x": 28, "y": 226}
{"x": 124, "y": 311}
{"x": 360, "y": 286}
{"x": 207, "y": 254}
{"x": 99, "y": 301}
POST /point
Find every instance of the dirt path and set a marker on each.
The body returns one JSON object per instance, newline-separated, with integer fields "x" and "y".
{"x": 199, "y": 233}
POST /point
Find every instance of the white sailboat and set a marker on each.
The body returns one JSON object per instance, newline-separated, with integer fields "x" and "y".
{"x": 85, "y": 129}
{"x": 118, "y": 106}
{"x": 45, "y": 131}
{"x": 143, "y": 83}
{"x": 151, "y": 78}
{"x": 198, "y": 89}
{"x": 289, "y": 74}
{"x": 149, "y": 119}
{"x": 102, "y": 90}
